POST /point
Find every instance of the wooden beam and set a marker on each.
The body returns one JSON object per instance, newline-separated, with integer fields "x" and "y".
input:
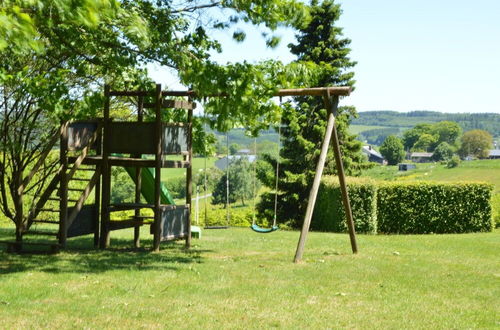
{"x": 125, "y": 161}
{"x": 138, "y": 178}
{"x": 123, "y": 224}
{"x": 317, "y": 179}
{"x": 106, "y": 175}
{"x": 131, "y": 93}
{"x": 158, "y": 160}
{"x": 314, "y": 91}
{"x": 176, "y": 104}
{"x": 63, "y": 189}
{"x": 343, "y": 183}
{"x": 189, "y": 175}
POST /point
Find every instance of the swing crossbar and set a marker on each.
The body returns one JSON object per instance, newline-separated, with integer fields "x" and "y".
{"x": 258, "y": 229}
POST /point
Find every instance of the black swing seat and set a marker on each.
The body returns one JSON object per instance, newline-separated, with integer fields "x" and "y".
{"x": 258, "y": 229}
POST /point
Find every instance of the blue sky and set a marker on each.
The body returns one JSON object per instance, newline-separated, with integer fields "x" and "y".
{"x": 440, "y": 55}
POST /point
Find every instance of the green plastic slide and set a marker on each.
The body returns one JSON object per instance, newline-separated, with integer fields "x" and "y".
{"x": 148, "y": 186}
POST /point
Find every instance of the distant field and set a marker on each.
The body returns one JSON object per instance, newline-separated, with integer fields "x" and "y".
{"x": 198, "y": 164}
{"x": 477, "y": 170}
{"x": 356, "y": 129}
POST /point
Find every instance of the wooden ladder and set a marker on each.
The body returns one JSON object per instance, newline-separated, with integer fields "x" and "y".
{"x": 51, "y": 210}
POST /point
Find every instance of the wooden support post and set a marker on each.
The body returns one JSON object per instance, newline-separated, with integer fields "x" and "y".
{"x": 342, "y": 180}
{"x": 97, "y": 200}
{"x": 158, "y": 159}
{"x": 106, "y": 175}
{"x": 138, "y": 181}
{"x": 97, "y": 191}
{"x": 317, "y": 179}
{"x": 189, "y": 175}
{"x": 63, "y": 188}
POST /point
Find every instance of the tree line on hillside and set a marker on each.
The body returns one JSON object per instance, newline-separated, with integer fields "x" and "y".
{"x": 377, "y": 136}
{"x": 443, "y": 139}
{"x": 489, "y": 122}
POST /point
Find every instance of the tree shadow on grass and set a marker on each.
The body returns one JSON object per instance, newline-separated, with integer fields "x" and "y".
{"x": 81, "y": 257}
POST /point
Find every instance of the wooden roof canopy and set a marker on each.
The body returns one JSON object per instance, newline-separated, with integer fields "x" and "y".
{"x": 314, "y": 91}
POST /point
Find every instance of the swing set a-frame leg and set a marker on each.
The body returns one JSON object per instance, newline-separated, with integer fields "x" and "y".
{"x": 331, "y": 104}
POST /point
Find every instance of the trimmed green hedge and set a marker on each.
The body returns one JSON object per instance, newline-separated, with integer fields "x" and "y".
{"x": 405, "y": 207}
{"x": 329, "y": 214}
{"x": 239, "y": 217}
{"x": 423, "y": 207}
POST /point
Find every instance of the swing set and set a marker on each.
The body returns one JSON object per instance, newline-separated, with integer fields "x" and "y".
{"x": 330, "y": 97}
{"x": 254, "y": 225}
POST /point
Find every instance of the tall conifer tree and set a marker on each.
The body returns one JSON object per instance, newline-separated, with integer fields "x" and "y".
{"x": 304, "y": 122}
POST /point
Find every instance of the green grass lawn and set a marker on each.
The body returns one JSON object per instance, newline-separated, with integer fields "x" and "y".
{"x": 238, "y": 279}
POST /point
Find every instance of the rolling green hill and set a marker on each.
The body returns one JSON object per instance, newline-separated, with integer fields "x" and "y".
{"x": 486, "y": 121}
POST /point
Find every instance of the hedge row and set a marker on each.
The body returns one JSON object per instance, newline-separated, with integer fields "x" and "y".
{"x": 422, "y": 208}
{"x": 329, "y": 214}
{"x": 405, "y": 208}
{"x": 239, "y": 217}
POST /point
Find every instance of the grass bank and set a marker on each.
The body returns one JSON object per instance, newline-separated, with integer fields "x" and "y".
{"x": 238, "y": 279}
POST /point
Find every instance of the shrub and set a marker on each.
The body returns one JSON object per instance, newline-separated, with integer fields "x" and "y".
{"x": 329, "y": 214}
{"x": 177, "y": 187}
{"x": 239, "y": 217}
{"x": 392, "y": 149}
{"x": 423, "y": 207}
{"x": 123, "y": 190}
{"x": 453, "y": 162}
{"x": 442, "y": 152}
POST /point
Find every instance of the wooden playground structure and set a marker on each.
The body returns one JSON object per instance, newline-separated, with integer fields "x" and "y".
{"x": 141, "y": 148}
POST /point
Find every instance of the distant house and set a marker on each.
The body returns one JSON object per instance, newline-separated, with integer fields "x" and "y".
{"x": 221, "y": 164}
{"x": 421, "y": 157}
{"x": 373, "y": 155}
{"x": 494, "y": 154}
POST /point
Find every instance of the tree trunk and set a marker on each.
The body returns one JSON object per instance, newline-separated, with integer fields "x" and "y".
{"x": 19, "y": 235}
{"x": 18, "y": 205}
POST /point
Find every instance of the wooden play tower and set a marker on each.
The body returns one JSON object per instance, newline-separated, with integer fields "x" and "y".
{"x": 141, "y": 147}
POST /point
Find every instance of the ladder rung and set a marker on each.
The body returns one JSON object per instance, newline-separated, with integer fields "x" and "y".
{"x": 46, "y": 221}
{"x": 48, "y": 210}
{"x": 76, "y": 189}
{"x": 142, "y": 217}
{"x": 80, "y": 179}
{"x": 59, "y": 199}
{"x": 41, "y": 232}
